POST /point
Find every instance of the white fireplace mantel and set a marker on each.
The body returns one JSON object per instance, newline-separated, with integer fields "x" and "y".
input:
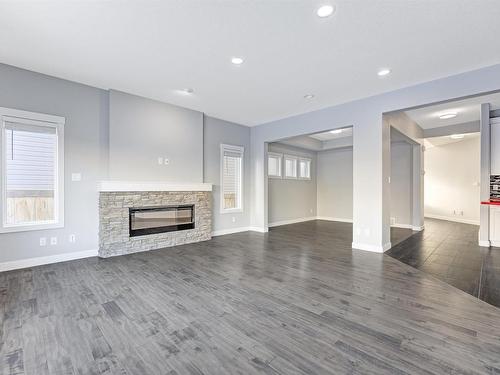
{"x": 122, "y": 186}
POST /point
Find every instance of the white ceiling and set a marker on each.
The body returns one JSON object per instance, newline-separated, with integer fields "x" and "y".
{"x": 326, "y": 136}
{"x": 153, "y": 48}
{"x": 467, "y": 110}
{"x": 445, "y": 140}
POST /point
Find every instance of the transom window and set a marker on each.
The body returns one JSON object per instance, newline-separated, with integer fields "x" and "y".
{"x": 274, "y": 164}
{"x": 305, "y": 169}
{"x": 290, "y": 166}
{"x": 32, "y": 170}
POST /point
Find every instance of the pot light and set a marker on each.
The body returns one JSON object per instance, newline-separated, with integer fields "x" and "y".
{"x": 457, "y": 136}
{"x": 336, "y": 131}
{"x": 308, "y": 96}
{"x": 448, "y": 115}
{"x": 325, "y": 11}
{"x": 187, "y": 91}
{"x": 237, "y": 60}
{"x": 383, "y": 72}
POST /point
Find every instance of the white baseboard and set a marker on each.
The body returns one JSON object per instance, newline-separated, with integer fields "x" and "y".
{"x": 402, "y": 226}
{"x": 292, "y": 221}
{"x": 485, "y": 243}
{"x": 223, "y": 232}
{"x": 453, "y": 218}
{"x": 495, "y": 243}
{"x": 38, "y": 261}
{"x": 418, "y": 229}
{"x": 328, "y": 218}
{"x": 258, "y": 229}
{"x": 372, "y": 248}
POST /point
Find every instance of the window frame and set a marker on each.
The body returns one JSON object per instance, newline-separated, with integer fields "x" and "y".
{"x": 240, "y": 150}
{"x": 278, "y": 156}
{"x": 33, "y": 119}
{"x": 307, "y": 160}
{"x": 296, "y": 160}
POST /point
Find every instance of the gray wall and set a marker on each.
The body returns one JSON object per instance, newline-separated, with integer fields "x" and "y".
{"x": 85, "y": 110}
{"x": 217, "y": 132}
{"x": 142, "y": 130}
{"x": 292, "y": 199}
{"x": 401, "y": 183}
{"x": 335, "y": 184}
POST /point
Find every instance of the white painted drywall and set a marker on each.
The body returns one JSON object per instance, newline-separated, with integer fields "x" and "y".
{"x": 450, "y": 173}
{"x": 292, "y": 199}
{"x": 401, "y": 183}
{"x": 216, "y": 132}
{"x": 335, "y": 184}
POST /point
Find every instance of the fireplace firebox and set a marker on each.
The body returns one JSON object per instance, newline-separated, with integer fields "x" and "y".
{"x": 152, "y": 220}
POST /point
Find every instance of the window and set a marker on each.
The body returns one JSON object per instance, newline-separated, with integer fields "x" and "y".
{"x": 274, "y": 164}
{"x": 32, "y": 177}
{"x": 231, "y": 178}
{"x": 290, "y": 166}
{"x": 305, "y": 169}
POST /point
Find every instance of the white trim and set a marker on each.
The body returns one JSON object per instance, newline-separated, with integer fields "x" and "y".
{"x": 42, "y": 120}
{"x": 495, "y": 243}
{"x": 223, "y": 232}
{"x": 258, "y": 229}
{"x": 328, "y": 218}
{"x": 38, "y": 261}
{"x": 280, "y": 164}
{"x": 372, "y": 248}
{"x": 484, "y": 243}
{"x": 292, "y": 158}
{"x": 309, "y": 161}
{"x": 417, "y": 228}
{"x": 241, "y": 150}
{"x": 402, "y": 226}
{"x": 453, "y": 218}
{"x": 291, "y": 221}
{"x": 123, "y": 186}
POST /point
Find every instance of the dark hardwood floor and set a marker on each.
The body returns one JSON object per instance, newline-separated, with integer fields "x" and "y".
{"x": 296, "y": 300}
{"x": 449, "y": 251}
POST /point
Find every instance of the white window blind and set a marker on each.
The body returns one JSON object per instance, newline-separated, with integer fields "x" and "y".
{"x": 290, "y": 166}
{"x": 274, "y": 164}
{"x": 32, "y": 173}
{"x": 305, "y": 169}
{"x": 232, "y": 172}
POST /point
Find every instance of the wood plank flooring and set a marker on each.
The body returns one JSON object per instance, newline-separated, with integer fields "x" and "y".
{"x": 449, "y": 251}
{"x": 297, "y": 300}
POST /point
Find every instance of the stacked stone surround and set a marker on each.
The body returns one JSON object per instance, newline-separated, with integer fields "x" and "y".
{"x": 114, "y": 220}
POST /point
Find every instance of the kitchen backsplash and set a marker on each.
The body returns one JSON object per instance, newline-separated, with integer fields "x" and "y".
{"x": 495, "y": 187}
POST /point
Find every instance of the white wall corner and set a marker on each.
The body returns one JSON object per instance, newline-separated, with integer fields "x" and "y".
{"x": 372, "y": 248}
{"x": 39, "y": 261}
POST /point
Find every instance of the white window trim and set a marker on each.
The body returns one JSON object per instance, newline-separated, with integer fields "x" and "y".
{"x": 309, "y": 160}
{"x": 225, "y": 147}
{"x": 280, "y": 157}
{"x": 290, "y": 157}
{"x": 33, "y": 118}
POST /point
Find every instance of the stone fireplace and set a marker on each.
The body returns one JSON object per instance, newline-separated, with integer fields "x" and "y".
{"x": 137, "y": 217}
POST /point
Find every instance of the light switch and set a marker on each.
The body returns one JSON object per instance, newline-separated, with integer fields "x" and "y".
{"x": 76, "y": 176}
{"x": 43, "y": 241}
{"x": 53, "y": 240}
{"x": 167, "y": 161}
{"x": 160, "y": 161}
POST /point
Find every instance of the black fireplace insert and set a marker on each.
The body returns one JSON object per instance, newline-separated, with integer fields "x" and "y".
{"x": 151, "y": 220}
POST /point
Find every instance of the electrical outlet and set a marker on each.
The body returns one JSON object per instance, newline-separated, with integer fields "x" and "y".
{"x": 160, "y": 161}
{"x": 72, "y": 238}
{"x": 43, "y": 241}
{"x": 53, "y": 241}
{"x": 76, "y": 176}
{"x": 393, "y": 220}
{"x": 167, "y": 161}
{"x": 311, "y": 210}
{"x": 233, "y": 219}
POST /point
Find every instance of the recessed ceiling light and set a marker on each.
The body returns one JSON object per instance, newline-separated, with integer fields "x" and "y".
{"x": 237, "y": 60}
{"x": 187, "y": 91}
{"x": 336, "y": 131}
{"x": 308, "y": 96}
{"x": 457, "y": 136}
{"x": 448, "y": 115}
{"x": 325, "y": 11}
{"x": 383, "y": 72}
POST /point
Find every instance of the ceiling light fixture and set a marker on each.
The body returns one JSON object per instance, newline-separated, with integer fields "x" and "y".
{"x": 383, "y": 72}
{"x": 237, "y": 60}
{"x": 336, "y": 131}
{"x": 448, "y": 115}
{"x": 325, "y": 11}
{"x": 457, "y": 136}
{"x": 308, "y": 96}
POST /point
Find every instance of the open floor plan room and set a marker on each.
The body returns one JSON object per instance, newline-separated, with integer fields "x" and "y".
{"x": 249, "y": 187}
